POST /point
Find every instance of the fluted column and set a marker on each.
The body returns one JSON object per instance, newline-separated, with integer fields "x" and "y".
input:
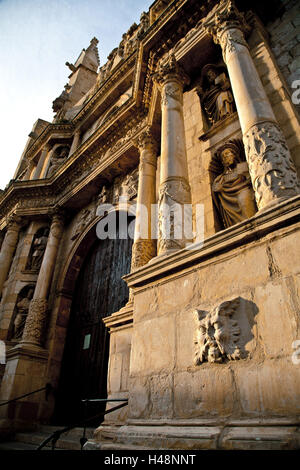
{"x": 144, "y": 246}
{"x": 8, "y": 248}
{"x": 174, "y": 189}
{"x": 271, "y": 168}
{"x": 41, "y": 162}
{"x": 37, "y": 315}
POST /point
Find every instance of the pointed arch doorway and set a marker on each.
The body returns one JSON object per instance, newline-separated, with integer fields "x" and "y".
{"x": 99, "y": 292}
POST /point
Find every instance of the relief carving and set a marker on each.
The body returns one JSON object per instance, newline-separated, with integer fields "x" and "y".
{"x": 169, "y": 69}
{"x": 217, "y": 334}
{"x": 232, "y": 190}
{"x": 270, "y": 162}
{"x": 126, "y": 187}
{"x": 173, "y": 91}
{"x": 85, "y": 217}
{"x": 142, "y": 252}
{"x": 36, "y": 321}
{"x": 173, "y": 194}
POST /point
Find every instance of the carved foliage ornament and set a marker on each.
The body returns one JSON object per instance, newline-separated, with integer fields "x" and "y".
{"x": 142, "y": 252}
{"x": 225, "y": 16}
{"x": 217, "y": 333}
{"x": 169, "y": 69}
{"x": 269, "y": 160}
{"x": 35, "y": 322}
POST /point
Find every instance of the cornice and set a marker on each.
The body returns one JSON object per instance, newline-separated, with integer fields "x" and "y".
{"x": 117, "y": 74}
{"x": 52, "y": 128}
{"x": 263, "y": 223}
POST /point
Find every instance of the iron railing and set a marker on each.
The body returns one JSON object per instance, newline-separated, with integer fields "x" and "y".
{"x": 48, "y": 388}
{"x": 53, "y": 438}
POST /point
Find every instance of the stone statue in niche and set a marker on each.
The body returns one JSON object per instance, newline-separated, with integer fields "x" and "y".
{"x": 37, "y": 249}
{"x": 215, "y": 93}
{"x": 84, "y": 219}
{"x": 57, "y": 159}
{"x": 217, "y": 333}
{"x": 232, "y": 188}
{"x": 22, "y": 307}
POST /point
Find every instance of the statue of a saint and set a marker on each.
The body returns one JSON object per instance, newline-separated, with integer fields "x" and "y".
{"x": 39, "y": 246}
{"x": 57, "y": 159}
{"x": 21, "y": 314}
{"x": 232, "y": 189}
{"x": 215, "y": 93}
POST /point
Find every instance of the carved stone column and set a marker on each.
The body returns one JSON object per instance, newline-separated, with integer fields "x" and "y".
{"x": 41, "y": 162}
{"x": 174, "y": 190}
{"x": 144, "y": 247}
{"x": 8, "y": 248}
{"x": 37, "y": 315}
{"x": 271, "y": 168}
{"x": 75, "y": 142}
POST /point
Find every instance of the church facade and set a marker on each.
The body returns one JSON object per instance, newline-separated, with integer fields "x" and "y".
{"x": 149, "y": 238}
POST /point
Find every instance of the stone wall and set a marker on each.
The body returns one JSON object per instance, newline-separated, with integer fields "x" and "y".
{"x": 165, "y": 382}
{"x": 285, "y": 39}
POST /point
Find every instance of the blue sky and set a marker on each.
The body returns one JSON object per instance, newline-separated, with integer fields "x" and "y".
{"x": 37, "y": 37}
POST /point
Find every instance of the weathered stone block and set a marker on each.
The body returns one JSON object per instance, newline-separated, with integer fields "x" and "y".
{"x": 207, "y": 392}
{"x": 153, "y": 346}
{"x": 271, "y": 388}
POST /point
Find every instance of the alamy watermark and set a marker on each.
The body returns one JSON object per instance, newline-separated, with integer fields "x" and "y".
{"x": 296, "y": 93}
{"x": 167, "y": 222}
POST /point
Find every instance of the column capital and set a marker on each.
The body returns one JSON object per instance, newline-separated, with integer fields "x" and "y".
{"x": 47, "y": 147}
{"x": 226, "y": 18}
{"x": 14, "y": 222}
{"x": 169, "y": 69}
{"x": 146, "y": 140}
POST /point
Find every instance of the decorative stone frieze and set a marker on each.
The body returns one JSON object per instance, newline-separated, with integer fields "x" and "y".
{"x": 217, "y": 333}
{"x": 35, "y": 322}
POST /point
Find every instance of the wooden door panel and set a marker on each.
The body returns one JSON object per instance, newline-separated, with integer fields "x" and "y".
{"x": 99, "y": 292}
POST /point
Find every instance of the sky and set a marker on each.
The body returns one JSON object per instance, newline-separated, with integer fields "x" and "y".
{"x": 37, "y": 37}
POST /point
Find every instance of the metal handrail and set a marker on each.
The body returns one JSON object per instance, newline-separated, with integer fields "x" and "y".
{"x": 48, "y": 387}
{"x": 56, "y": 434}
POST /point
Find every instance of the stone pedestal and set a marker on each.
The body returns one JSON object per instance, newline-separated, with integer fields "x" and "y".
{"x": 8, "y": 248}
{"x": 174, "y": 190}
{"x": 25, "y": 372}
{"x": 271, "y": 168}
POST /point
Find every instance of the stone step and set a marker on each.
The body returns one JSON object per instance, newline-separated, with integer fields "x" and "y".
{"x": 68, "y": 441}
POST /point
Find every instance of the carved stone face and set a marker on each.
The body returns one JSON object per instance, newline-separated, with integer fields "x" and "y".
{"x": 211, "y": 75}
{"x": 227, "y": 157}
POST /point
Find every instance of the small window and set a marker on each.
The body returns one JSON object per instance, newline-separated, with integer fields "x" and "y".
{"x": 87, "y": 341}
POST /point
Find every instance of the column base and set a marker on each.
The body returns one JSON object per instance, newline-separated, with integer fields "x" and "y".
{"x": 211, "y": 436}
{"x": 274, "y": 203}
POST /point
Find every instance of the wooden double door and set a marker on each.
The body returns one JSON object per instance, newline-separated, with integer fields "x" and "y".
{"x": 99, "y": 292}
